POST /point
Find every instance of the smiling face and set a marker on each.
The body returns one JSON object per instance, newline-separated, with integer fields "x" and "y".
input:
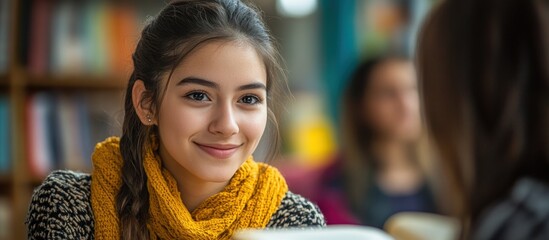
{"x": 213, "y": 112}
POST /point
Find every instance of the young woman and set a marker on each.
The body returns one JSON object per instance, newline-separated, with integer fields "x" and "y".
{"x": 378, "y": 173}
{"x": 484, "y": 76}
{"x": 198, "y": 101}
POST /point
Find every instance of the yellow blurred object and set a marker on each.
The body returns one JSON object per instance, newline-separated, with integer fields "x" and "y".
{"x": 313, "y": 141}
{"x": 311, "y": 136}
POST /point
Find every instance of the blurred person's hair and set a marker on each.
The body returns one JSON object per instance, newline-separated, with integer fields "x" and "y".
{"x": 484, "y": 75}
{"x": 356, "y": 136}
{"x": 181, "y": 27}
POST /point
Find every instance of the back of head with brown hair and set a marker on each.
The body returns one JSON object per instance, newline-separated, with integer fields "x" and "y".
{"x": 483, "y": 70}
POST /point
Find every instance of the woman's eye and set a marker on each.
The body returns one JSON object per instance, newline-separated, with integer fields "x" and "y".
{"x": 198, "y": 96}
{"x": 250, "y": 100}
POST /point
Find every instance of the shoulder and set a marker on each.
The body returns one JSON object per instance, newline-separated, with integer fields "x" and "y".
{"x": 523, "y": 215}
{"x": 65, "y": 184}
{"x": 296, "y": 211}
{"x": 67, "y": 178}
{"x": 60, "y": 207}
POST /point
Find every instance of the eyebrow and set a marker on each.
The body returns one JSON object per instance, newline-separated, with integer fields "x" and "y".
{"x": 256, "y": 85}
{"x": 210, "y": 84}
{"x": 194, "y": 80}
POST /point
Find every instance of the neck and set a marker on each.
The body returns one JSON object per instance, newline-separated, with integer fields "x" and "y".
{"x": 192, "y": 189}
{"x": 397, "y": 174}
{"x": 391, "y": 154}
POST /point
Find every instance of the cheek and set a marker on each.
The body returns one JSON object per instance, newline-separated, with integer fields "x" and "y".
{"x": 379, "y": 113}
{"x": 252, "y": 125}
{"x": 415, "y": 112}
{"x": 177, "y": 122}
{"x": 412, "y": 100}
{"x": 412, "y": 111}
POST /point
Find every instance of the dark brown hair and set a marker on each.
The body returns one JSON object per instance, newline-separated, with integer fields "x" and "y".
{"x": 181, "y": 27}
{"x": 483, "y": 68}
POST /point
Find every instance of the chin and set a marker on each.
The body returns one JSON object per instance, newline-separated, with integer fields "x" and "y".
{"x": 222, "y": 177}
{"x": 217, "y": 173}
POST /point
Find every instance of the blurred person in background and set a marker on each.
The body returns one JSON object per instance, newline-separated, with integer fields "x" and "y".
{"x": 484, "y": 70}
{"x": 378, "y": 172}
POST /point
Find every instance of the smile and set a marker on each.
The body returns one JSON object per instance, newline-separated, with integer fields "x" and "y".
{"x": 219, "y": 151}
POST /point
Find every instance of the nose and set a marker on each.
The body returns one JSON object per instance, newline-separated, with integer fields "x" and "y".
{"x": 224, "y": 122}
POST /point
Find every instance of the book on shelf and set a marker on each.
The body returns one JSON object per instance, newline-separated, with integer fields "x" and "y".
{"x": 40, "y": 154}
{"x": 62, "y": 130}
{"x": 67, "y": 43}
{"x": 81, "y": 37}
{"x": 71, "y": 129}
{"x": 5, "y": 141}
{"x": 5, "y": 23}
{"x": 39, "y": 36}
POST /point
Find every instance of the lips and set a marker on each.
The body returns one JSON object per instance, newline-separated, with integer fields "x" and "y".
{"x": 219, "y": 151}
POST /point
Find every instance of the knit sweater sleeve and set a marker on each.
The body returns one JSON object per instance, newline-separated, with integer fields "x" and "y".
{"x": 60, "y": 208}
{"x": 296, "y": 211}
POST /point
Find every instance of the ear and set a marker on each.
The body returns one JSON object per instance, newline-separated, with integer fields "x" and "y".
{"x": 141, "y": 104}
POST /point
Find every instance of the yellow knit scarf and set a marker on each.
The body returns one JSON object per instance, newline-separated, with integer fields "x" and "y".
{"x": 249, "y": 200}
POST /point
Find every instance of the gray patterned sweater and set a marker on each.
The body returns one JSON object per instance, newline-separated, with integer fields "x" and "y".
{"x": 61, "y": 209}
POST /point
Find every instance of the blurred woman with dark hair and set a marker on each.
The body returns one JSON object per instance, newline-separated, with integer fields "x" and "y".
{"x": 484, "y": 74}
{"x": 379, "y": 172}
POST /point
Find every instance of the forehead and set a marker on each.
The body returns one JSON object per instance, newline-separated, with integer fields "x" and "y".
{"x": 393, "y": 72}
{"x": 223, "y": 62}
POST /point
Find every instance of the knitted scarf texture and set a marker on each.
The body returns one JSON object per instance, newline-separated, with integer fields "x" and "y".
{"x": 249, "y": 200}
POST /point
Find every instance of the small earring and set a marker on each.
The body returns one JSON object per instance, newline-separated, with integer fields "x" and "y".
{"x": 149, "y": 118}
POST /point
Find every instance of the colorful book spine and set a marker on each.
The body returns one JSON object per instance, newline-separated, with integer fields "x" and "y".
{"x": 71, "y": 134}
{"x": 40, "y": 36}
{"x": 86, "y": 142}
{"x": 4, "y": 33}
{"x": 5, "y": 146}
{"x": 40, "y": 156}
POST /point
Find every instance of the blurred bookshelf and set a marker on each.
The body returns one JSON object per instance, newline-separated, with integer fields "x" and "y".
{"x": 63, "y": 68}
{"x": 73, "y": 82}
